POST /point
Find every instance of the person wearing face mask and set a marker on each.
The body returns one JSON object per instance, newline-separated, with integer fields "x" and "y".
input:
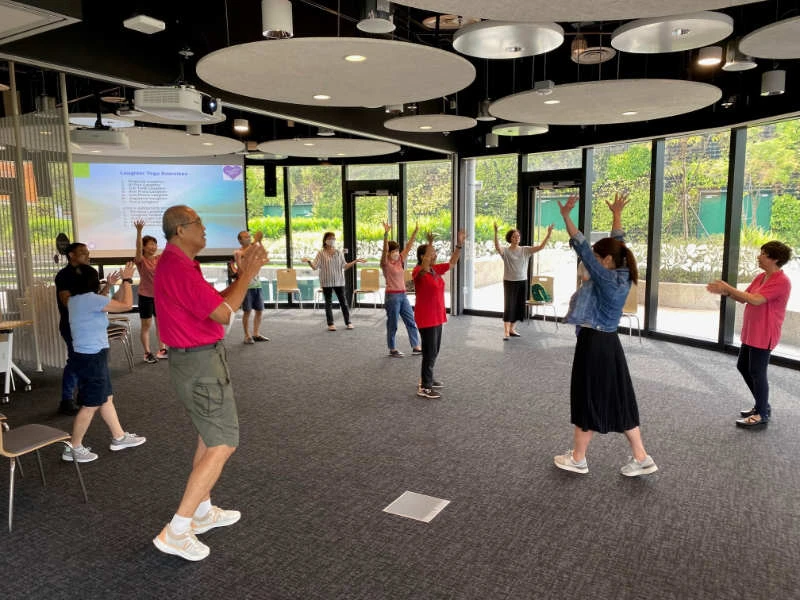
{"x": 515, "y": 277}
{"x": 393, "y": 264}
{"x": 331, "y": 264}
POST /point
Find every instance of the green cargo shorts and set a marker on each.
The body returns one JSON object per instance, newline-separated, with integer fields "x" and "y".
{"x": 202, "y": 382}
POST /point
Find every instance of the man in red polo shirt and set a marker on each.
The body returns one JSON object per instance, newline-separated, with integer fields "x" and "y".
{"x": 191, "y": 315}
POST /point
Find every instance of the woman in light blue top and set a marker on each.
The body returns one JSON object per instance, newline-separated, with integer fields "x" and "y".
{"x": 601, "y": 392}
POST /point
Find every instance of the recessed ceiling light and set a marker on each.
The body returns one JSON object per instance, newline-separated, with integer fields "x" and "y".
{"x": 341, "y": 154}
{"x": 513, "y": 49}
{"x": 321, "y": 97}
{"x": 426, "y": 126}
{"x": 680, "y": 32}
{"x": 630, "y": 113}
{"x": 45, "y": 132}
{"x": 355, "y": 58}
{"x": 94, "y": 151}
{"x": 208, "y": 143}
{"x": 552, "y": 101}
{"x": 308, "y": 143}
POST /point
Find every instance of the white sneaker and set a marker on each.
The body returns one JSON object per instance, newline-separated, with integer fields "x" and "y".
{"x": 81, "y": 454}
{"x": 185, "y": 545}
{"x": 216, "y": 517}
{"x": 566, "y": 462}
{"x": 129, "y": 440}
{"x": 634, "y": 468}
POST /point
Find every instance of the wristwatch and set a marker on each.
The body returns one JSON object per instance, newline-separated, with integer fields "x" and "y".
{"x": 127, "y": 280}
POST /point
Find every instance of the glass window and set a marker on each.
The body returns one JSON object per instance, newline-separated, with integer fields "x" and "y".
{"x": 490, "y": 196}
{"x": 624, "y": 168}
{"x": 368, "y": 172}
{"x": 771, "y": 211}
{"x": 265, "y": 214}
{"x": 695, "y": 179}
{"x": 552, "y": 161}
{"x": 315, "y": 198}
{"x": 429, "y": 204}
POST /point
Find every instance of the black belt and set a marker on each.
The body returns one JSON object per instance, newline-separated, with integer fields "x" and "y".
{"x": 195, "y": 348}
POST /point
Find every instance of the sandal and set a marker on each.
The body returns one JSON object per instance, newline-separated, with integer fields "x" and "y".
{"x": 751, "y": 421}
{"x": 331, "y": 327}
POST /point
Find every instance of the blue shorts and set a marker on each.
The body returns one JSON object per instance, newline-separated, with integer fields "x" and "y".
{"x": 253, "y": 300}
{"x": 94, "y": 380}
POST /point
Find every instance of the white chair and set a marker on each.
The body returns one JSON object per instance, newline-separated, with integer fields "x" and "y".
{"x": 630, "y": 312}
{"x": 370, "y": 284}
{"x": 547, "y": 283}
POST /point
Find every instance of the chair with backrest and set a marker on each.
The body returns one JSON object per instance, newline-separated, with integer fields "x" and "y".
{"x": 544, "y": 282}
{"x": 631, "y": 311}
{"x": 408, "y": 277}
{"x": 287, "y": 284}
{"x": 370, "y": 284}
{"x": 119, "y": 330}
{"x": 24, "y": 440}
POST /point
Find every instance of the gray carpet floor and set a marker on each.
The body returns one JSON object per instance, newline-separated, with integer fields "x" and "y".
{"x": 332, "y": 432}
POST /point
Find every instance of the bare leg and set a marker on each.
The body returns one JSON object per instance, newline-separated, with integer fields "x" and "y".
{"x": 635, "y": 440}
{"x": 206, "y": 469}
{"x": 158, "y": 336}
{"x": 506, "y": 328}
{"x": 257, "y": 322}
{"x": 109, "y": 414}
{"x": 81, "y": 423}
{"x": 580, "y": 443}
{"x": 144, "y": 335}
{"x": 246, "y": 323}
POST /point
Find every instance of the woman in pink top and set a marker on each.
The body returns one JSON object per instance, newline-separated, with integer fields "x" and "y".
{"x": 146, "y": 261}
{"x": 765, "y": 308}
{"x": 393, "y": 264}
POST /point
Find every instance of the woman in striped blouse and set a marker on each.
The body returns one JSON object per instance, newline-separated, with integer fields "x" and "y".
{"x": 331, "y": 264}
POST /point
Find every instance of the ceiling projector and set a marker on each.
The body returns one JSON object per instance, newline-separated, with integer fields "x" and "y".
{"x": 178, "y": 103}
{"x": 94, "y": 139}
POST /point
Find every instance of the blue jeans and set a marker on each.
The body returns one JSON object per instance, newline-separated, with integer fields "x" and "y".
{"x": 397, "y": 305}
{"x": 69, "y": 381}
{"x": 752, "y": 364}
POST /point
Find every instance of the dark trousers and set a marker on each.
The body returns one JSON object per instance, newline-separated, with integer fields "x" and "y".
{"x": 752, "y": 364}
{"x": 69, "y": 380}
{"x": 431, "y": 340}
{"x": 327, "y": 292}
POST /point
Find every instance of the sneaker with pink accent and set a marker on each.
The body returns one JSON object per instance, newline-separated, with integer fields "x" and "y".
{"x": 216, "y": 517}
{"x": 185, "y": 545}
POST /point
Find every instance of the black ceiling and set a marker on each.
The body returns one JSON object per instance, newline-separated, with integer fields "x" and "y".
{"x": 106, "y": 53}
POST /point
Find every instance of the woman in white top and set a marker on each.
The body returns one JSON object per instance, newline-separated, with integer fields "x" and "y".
{"x": 515, "y": 277}
{"x": 332, "y": 265}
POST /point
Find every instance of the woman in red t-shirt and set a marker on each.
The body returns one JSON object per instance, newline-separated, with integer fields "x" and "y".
{"x": 765, "y": 308}
{"x": 429, "y": 310}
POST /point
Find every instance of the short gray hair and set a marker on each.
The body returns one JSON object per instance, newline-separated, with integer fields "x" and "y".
{"x": 173, "y": 217}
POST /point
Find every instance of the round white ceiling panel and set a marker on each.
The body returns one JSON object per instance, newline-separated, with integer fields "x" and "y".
{"x": 430, "y": 123}
{"x": 159, "y": 120}
{"x": 606, "y": 102}
{"x": 329, "y": 71}
{"x": 504, "y": 39}
{"x": 107, "y": 120}
{"x": 780, "y": 40}
{"x": 518, "y": 129}
{"x": 567, "y": 10}
{"x": 672, "y": 34}
{"x": 154, "y": 141}
{"x": 328, "y": 147}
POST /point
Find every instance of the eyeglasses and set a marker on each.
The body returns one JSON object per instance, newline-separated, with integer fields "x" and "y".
{"x": 196, "y": 221}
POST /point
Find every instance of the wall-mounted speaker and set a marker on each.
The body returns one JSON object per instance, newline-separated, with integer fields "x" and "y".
{"x": 270, "y": 181}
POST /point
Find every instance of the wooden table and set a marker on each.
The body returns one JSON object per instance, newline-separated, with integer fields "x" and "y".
{"x": 6, "y": 357}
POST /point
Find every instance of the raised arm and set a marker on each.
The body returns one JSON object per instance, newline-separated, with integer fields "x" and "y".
{"x": 497, "y": 245}
{"x": 462, "y": 235}
{"x": 385, "y": 253}
{"x": 139, "y": 224}
{"x": 616, "y": 207}
{"x": 545, "y": 240}
{"x": 122, "y": 301}
{"x": 565, "y": 209}
{"x": 430, "y": 252}
{"x": 410, "y": 242}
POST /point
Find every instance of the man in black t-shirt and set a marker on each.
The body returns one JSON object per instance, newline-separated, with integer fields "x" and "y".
{"x": 78, "y": 256}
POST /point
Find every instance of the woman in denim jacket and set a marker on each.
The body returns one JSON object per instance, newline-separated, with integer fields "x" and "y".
{"x": 601, "y": 392}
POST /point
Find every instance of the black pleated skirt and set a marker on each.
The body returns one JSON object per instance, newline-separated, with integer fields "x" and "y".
{"x": 515, "y": 294}
{"x": 601, "y": 394}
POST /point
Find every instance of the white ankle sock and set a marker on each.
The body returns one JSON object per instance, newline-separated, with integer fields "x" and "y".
{"x": 202, "y": 509}
{"x": 180, "y": 524}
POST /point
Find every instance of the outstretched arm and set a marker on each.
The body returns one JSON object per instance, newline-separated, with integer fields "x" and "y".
{"x": 385, "y": 254}
{"x": 430, "y": 252}
{"x": 565, "y": 209}
{"x": 139, "y": 224}
{"x": 497, "y": 245}
{"x": 546, "y": 238}
{"x": 462, "y": 235}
